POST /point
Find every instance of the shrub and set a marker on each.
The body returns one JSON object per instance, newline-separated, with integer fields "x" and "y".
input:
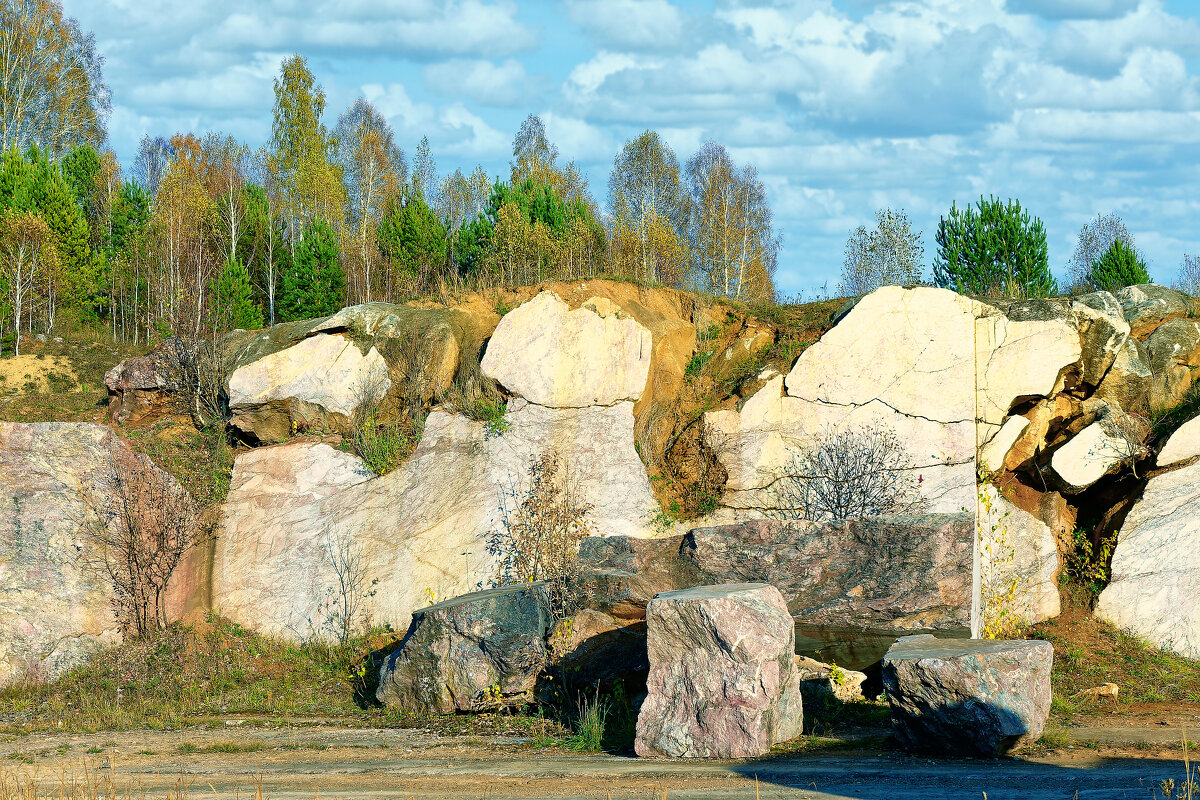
{"x": 144, "y": 523}
{"x": 540, "y": 530}
{"x": 1120, "y": 266}
{"x": 890, "y": 254}
{"x": 993, "y": 248}
{"x": 847, "y": 474}
{"x": 1095, "y": 238}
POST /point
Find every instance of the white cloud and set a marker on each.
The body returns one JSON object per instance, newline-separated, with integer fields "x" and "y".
{"x": 455, "y": 129}
{"x": 484, "y": 82}
{"x": 638, "y": 24}
{"x": 1072, "y": 9}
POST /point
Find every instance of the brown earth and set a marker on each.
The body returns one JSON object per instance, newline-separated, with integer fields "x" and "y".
{"x": 310, "y": 759}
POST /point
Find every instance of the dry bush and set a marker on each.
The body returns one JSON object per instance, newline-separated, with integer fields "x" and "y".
{"x": 1131, "y": 432}
{"x": 143, "y": 524}
{"x": 195, "y": 368}
{"x": 540, "y": 530}
{"x": 341, "y": 612}
{"x": 847, "y": 474}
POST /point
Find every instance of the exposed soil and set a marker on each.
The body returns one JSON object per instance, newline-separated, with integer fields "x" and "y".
{"x": 314, "y": 760}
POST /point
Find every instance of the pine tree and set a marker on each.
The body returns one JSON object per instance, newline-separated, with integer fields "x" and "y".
{"x": 1120, "y": 266}
{"x": 993, "y": 248}
{"x": 413, "y": 241}
{"x": 234, "y": 299}
{"x": 314, "y": 285}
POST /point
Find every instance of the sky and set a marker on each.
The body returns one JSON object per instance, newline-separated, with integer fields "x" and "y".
{"x": 1074, "y": 107}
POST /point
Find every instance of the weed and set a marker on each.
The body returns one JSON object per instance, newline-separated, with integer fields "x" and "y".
{"x": 697, "y": 362}
{"x": 589, "y": 726}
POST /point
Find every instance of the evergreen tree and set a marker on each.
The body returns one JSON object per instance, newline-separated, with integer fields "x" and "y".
{"x": 413, "y": 240}
{"x": 314, "y": 284}
{"x": 993, "y": 248}
{"x": 1120, "y": 266}
{"x": 130, "y": 214}
{"x": 234, "y": 299}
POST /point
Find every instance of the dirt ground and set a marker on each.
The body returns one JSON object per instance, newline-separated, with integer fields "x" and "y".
{"x": 309, "y": 760}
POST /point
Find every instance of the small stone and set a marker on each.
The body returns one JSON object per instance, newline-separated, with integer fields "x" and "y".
{"x": 1110, "y": 690}
{"x": 821, "y": 683}
{"x": 723, "y": 680}
{"x": 975, "y": 697}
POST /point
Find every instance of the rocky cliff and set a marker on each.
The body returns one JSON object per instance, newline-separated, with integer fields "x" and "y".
{"x": 1013, "y": 413}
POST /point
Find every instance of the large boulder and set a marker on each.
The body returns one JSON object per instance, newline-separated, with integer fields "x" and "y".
{"x": 477, "y": 652}
{"x": 555, "y": 356}
{"x": 1099, "y": 449}
{"x": 1174, "y": 350}
{"x": 419, "y": 530}
{"x": 1155, "y": 576}
{"x": 723, "y": 681}
{"x": 1147, "y": 305}
{"x": 889, "y": 573}
{"x": 967, "y": 697}
{"x": 54, "y": 609}
{"x": 317, "y": 383}
{"x": 140, "y": 387}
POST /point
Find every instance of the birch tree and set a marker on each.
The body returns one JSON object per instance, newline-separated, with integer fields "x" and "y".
{"x": 52, "y": 92}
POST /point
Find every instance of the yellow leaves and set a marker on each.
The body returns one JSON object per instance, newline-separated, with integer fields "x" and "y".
{"x": 50, "y": 87}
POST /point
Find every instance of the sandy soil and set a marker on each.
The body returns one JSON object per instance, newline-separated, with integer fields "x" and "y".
{"x": 308, "y": 761}
{"x": 14, "y": 369}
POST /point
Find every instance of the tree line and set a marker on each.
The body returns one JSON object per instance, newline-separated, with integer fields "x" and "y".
{"x": 996, "y": 249}
{"x": 203, "y": 234}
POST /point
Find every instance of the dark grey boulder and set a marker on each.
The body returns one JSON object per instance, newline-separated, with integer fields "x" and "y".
{"x": 477, "y": 652}
{"x": 889, "y": 573}
{"x": 975, "y": 697}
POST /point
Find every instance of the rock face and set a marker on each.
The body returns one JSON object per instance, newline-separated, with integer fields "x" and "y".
{"x": 553, "y": 356}
{"x": 875, "y": 367}
{"x": 883, "y": 573}
{"x": 310, "y": 384}
{"x": 1155, "y": 577}
{"x": 419, "y": 530}
{"x": 1148, "y": 305}
{"x": 53, "y": 610}
{"x": 477, "y": 652}
{"x": 968, "y": 697}
{"x": 723, "y": 680}
{"x": 1017, "y": 564}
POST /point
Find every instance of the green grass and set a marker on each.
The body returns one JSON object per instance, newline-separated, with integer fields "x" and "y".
{"x": 1167, "y": 421}
{"x": 1089, "y": 652}
{"x": 204, "y": 674}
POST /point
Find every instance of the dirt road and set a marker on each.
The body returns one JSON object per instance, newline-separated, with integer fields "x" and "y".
{"x": 318, "y": 761}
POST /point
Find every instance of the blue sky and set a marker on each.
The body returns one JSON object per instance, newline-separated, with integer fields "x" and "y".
{"x": 1076, "y": 107}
